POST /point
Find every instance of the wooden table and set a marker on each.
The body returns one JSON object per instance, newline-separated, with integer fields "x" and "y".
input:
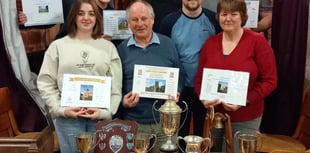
{"x": 268, "y": 144}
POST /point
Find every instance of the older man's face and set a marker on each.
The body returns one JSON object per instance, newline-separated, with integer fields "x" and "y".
{"x": 140, "y": 21}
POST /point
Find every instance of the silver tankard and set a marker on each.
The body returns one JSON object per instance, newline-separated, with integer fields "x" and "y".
{"x": 193, "y": 144}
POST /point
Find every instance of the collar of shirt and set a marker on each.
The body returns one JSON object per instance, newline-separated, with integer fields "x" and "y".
{"x": 154, "y": 40}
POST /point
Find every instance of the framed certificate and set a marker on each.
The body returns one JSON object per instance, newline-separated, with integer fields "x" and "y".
{"x": 86, "y": 91}
{"x": 43, "y": 12}
{"x": 155, "y": 82}
{"x": 226, "y": 85}
{"x": 115, "y": 24}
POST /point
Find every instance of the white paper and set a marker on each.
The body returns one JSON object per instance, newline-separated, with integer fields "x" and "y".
{"x": 155, "y": 82}
{"x": 43, "y": 12}
{"x": 226, "y": 85}
{"x": 253, "y": 13}
{"x": 86, "y": 91}
{"x": 115, "y": 24}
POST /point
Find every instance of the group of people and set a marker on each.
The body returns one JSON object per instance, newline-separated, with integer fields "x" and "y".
{"x": 191, "y": 39}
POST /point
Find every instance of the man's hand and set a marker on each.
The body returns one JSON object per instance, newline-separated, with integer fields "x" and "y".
{"x": 107, "y": 37}
{"x": 130, "y": 99}
{"x": 176, "y": 99}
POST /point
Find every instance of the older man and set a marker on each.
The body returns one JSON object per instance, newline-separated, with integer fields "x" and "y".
{"x": 144, "y": 47}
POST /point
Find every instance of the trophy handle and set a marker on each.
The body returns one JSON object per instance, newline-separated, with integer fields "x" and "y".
{"x": 179, "y": 137}
{"x": 155, "y": 102}
{"x": 155, "y": 141}
{"x": 186, "y": 109}
{"x": 208, "y": 147}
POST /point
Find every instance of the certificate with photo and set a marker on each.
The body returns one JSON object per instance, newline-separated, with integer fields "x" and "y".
{"x": 115, "y": 24}
{"x": 43, "y": 12}
{"x": 226, "y": 85}
{"x": 86, "y": 91}
{"x": 155, "y": 82}
{"x": 253, "y": 13}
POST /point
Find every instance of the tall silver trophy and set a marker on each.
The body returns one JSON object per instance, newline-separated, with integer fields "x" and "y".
{"x": 170, "y": 114}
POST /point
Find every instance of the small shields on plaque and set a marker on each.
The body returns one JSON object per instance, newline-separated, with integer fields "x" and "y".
{"x": 129, "y": 143}
{"x": 115, "y": 136}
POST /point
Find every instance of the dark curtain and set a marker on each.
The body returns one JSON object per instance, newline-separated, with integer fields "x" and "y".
{"x": 289, "y": 41}
{"x": 27, "y": 113}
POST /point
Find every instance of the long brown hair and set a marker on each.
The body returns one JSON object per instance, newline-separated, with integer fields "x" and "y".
{"x": 71, "y": 21}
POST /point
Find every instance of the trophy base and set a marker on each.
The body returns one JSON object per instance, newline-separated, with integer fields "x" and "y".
{"x": 169, "y": 148}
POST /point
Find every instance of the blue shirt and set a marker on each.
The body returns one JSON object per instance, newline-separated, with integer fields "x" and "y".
{"x": 189, "y": 34}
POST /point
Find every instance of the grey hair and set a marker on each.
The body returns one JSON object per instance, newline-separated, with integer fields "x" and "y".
{"x": 148, "y": 5}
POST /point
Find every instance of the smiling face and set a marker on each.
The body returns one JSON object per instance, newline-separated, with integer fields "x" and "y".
{"x": 231, "y": 13}
{"x": 86, "y": 18}
{"x": 140, "y": 20}
{"x": 230, "y": 20}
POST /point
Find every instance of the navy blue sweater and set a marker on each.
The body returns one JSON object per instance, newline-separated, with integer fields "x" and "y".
{"x": 163, "y": 54}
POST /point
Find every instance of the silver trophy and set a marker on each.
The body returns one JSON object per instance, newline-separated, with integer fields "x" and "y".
{"x": 170, "y": 114}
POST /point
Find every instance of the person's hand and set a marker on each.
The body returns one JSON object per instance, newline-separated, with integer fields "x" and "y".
{"x": 208, "y": 103}
{"x": 91, "y": 113}
{"x": 130, "y": 99}
{"x": 230, "y": 107}
{"x": 107, "y": 37}
{"x": 176, "y": 99}
{"x": 73, "y": 112}
{"x": 22, "y": 18}
{"x": 264, "y": 23}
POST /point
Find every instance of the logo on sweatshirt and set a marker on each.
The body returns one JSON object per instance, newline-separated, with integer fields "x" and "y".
{"x": 84, "y": 54}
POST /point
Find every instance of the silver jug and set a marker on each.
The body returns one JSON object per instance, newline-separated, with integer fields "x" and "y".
{"x": 193, "y": 143}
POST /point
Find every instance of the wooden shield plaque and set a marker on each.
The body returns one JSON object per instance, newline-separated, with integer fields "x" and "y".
{"x": 115, "y": 136}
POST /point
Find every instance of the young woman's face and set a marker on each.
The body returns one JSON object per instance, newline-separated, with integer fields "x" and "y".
{"x": 86, "y": 18}
{"x": 230, "y": 20}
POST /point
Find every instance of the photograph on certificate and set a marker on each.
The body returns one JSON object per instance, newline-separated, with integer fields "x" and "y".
{"x": 226, "y": 85}
{"x": 86, "y": 91}
{"x": 155, "y": 82}
{"x": 43, "y": 12}
{"x": 115, "y": 24}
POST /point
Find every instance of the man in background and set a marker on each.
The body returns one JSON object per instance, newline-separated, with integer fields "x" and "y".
{"x": 190, "y": 27}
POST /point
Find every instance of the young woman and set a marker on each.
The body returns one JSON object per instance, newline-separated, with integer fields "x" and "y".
{"x": 83, "y": 51}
